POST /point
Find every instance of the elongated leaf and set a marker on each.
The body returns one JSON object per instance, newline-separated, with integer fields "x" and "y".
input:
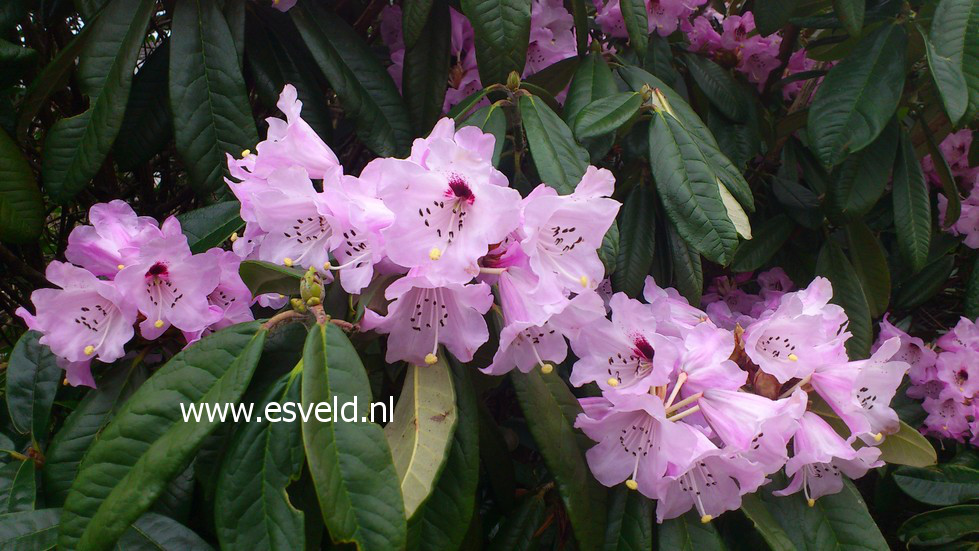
{"x": 414, "y": 16}
{"x": 365, "y": 89}
{"x": 210, "y": 226}
{"x": 549, "y": 408}
{"x": 636, "y": 24}
{"x": 252, "y": 509}
{"x": 687, "y": 533}
{"x": 971, "y": 307}
{"x": 688, "y": 187}
{"x": 688, "y": 269}
{"x": 718, "y": 85}
{"x": 350, "y": 462}
{"x": 606, "y": 115}
{"x": 772, "y": 15}
{"x": 265, "y": 277}
{"x": 848, "y": 292}
{"x": 32, "y": 381}
{"x": 939, "y": 485}
{"x": 502, "y": 30}
{"x": 18, "y": 491}
{"x": 609, "y": 251}
{"x": 858, "y": 96}
{"x": 420, "y": 433}
{"x": 850, "y": 13}
{"x": 912, "y": 208}
{"x": 21, "y": 207}
{"x": 637, "y": 241}
{"x": 153, "y": 532}
{"x": 442, "y": 520}
{"x": 147, "y": 126}
{"x": 517, "y": 531}
{"x": 940, "y": 526}
{"x": 953, "y": 208}
{"x": 592, "y": 81}
{"x": 76, "y": 147}
{"x": 208, "y": 90}
{"x": 426, "y": 69}
{"x": 870, "y": 263}
{"x": 148, "y": 443}
{"x": 953, "y": 55}
{"x": 766, "y": 525}
{"x": 560, "y": 161}
{"x": 29, "y": 529}
{"x": 925, "y": 284}
{"x": 630, "y": 521}
{"x": 769, "y": 238}
{"x": 860, "y": 180}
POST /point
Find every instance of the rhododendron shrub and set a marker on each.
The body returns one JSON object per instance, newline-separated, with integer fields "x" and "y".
{"x": 561, "y": 274}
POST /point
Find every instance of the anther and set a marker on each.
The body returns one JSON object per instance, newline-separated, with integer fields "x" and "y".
{"x": 120, "y": 266}
{"x": 287, "y": 261}
{"x": 234, "y": 237}
{"x": 158, "y": 324}
{"x": 431, "y": 359}
{"x": 811, "y": 502}
{"x": 878, "y": 437}
{"x": 706, "y": 518}
{"x": 631, "y": 484}
{"x": 584, "y": 281}
{"x": 613, "y": 382}
{"x": 793, "y": 357}
{"x": 327, "y": 266}
{"x": 546, "y": 368}
{"x": 435, "y": 253}
{"x": 247, "y": 152}
{"x": 89, "y": 350}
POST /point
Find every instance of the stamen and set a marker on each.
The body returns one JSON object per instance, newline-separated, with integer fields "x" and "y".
{"x": 546, "y": 368}
{"x": 878, "y": 437}
{"x": 793, "y": 357}
{"x": 158, "y": 324}
{"x": 584, "y": 281}
{"x": 89, "y": 350}
{"x": 683, "y": 414}
{"x": 287, "y": 261}
{"x": 431, "y": 359}
{"x": 234, "y": 237}
{"x": 706, "y": 518}
{"x": 680, "y": 379}
{"x": 491, "y": 271}
{"x": 247, "y": 152}
{"x": 120, "y": 266}
{"x": 435, "y": 253}
{"x": 631, "y": 484}
{"x": 613, "y": 382}
{"x": 684, "y": 402}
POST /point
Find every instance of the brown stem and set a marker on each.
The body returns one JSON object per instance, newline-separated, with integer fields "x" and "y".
{"x": 286, "y": 316}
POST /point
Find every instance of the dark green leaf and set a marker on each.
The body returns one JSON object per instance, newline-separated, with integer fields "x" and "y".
{"x": 75, "y": 147}
{"x": 870, "y": 263}
{"x": 350, "y": 462}
{"x": 953, "y": 53}
{"x": 954, "y": 207}
{"x": 365, "y": 89}
{"x": 939, "y": 485}
{"x": 502, "y": 30}
{"x": 29, "y": 529}
{"x": 153, "y": 532}
{"x": 18, "y": 490}
{"x": 688, "y": 269}
{"x": 774, "y": 535}
{"x": 772, "y": 15}
{"x": 850, "y": 13}
{"x": 770, "y": 235}
{"x": 147, "y": 126}
{"x": 912, "y": 208}
{"x": 799, "y": 201}
{"x": 718, "y": 85}
{"x": 517, "y": 530}
{"x": 252, "y": 509}
{"x": 208, "y": 91}
{"x": 414, "y": 16}
{"x": 592, "y": 81}
{"x": 971, "y": 307}
{"x": 688, "y": 533}
{"x": 630, "y": 521}
{"x": 550, "y": 409}
{"x": 265, "y": 277}
{"x": 940, "y": 526}
{"x": 739, "y": 142}
{"x": 560, "y": 161}
{"x": 848, "y": 293}
{"x": 32, "y": 381}
{"x": 609, "y": 251}
{"x": 858, "y": 96}
{"x": 210, "y": 226}
{"x": 860, "y": 180}
{"x": 637, "y": 241}
{"x": 148, "y": 443}
{"x": 14, "y": 59}
{"x": 634, "y": 14}
{"x": 606, "y": 115}
{"x": 925, "y": 284}
{"x": 426, "y": 69}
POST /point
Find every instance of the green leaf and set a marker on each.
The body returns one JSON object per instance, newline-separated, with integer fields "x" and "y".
{"x": 609, "y": 251}
{"x": 741, "y": 142}
{"x": 870, "y": 263}
{"x": 637, "y": 241}
{"x": 630, "y": 521}
{"x": 442, "y": 521}
{"x": 264, "y": 277}
{"x": 560, "y": 161}
{"x": 420, "y": 433}
{"x": 848, "y": 293}
{"x": 210, "y": 226}
{"x": 689, "y": 189}
{"x": 426, "y": 69}
{"x": 688, "y": 269}
{"x": 912, "y": 207}
{"x": 952, "y": 47}
{"x": 147, "y": 443}
{"x": 550, "y": 409}
{"x": 516, "y": 532}
{"x": 718, "y": 85}
{"x": 940, "y": 526}
{"x": 772, "y": 15}
{"x": 774, "y": 535}
{"x": 21, "y": 206}
{"x": 350, "y": 462}
{"x": 860, "y": 180}
{"x": 939, "y": 485}
{"x": 147, "y": 126}
{"x": 208, "y": 90}
{"x": 251, "y": 507}
{"x": 365, "y": 89}
{"x": 592, "y": 81}
{"x": 606, "y": 115}
{"x": 954, "y": 207}
{"x": 850, "y": 13}
{"x": 925, "y": 284}
{"x": 32, "y": 381}
{"x": 905, "y": 447}
{"x": 502, "y": 29}
{"x": 687, "y": 533}
{"x": 79, "y": 430}
{"x": 153, "y": 532}
{"x": 971, "y": 307}
{"x": 29, "y": 529}
{"x": 490, "y": 119}
{"x": 770, "y": 235}
{"x": 414, "y": 16}
{"x": 18, "y": 490}
{"x": 75, "y": 147}
{"x": 858, "y": 96}
{"x": 580, "y": 14}
{"x": 634, "y": 14}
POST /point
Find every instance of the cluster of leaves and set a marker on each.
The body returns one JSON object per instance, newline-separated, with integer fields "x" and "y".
{"x": 467, "y": 459}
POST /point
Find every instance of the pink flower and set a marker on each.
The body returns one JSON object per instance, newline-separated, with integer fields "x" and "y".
{"x": 955, "y": 149}
{"x": 424, "y": 315}
{"x": 947, "y": 418}
{"x": 968, "y": 222}
{"x": 912, "y": 350}
{"x": 231, "y": 299}
{"x": 86, "y": 318}
{"x": 737, "y": 417}
{"x": 819, "y": 456}
{"x": 964, "y": 336}
{"x": 705, "y": 361}
{"x": 701, "y": 33}
{"x": 552, "y": 36}
{"x": 767, "y": 449}
{"x": 672, "y": 310}
{"x": 284, "y": 5}
{"x": 664, "y": 16}
{"x": 169, "y": 285}
{"x": 113, "y": 239}
{"x": 959, "y": 370}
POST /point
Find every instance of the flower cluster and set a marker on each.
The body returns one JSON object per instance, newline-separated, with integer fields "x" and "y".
{"x": 732, "y": 41}
{"x": 664, "y": 16}
{"x": 552, "y": 38}
{"x": 955, "y": 150}
{"x": 946, "y": 380}
{"x": 125, "y": 268}
{"x": 695, "y": 414}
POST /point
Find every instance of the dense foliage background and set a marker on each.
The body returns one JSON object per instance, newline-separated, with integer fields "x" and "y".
{"x": 141, "y": 100}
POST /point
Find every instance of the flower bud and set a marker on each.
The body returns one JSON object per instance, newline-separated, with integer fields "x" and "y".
{"x": 513, "y": 81}
{"x": 310, "y": 286}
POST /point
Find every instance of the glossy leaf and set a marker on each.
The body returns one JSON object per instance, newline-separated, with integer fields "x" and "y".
{"x": 858, "y": 96}
{"x": 33, "y": 377}
{"x": 426, "y": 68}
{"x": 772, "y": 15}
{"x": 718, "y": 85}
{"x": 630, "y": 521}
{"x": 687, "y": 533}
{"x": 75, "y": 147}
{"x": 18, "y": 489}
{"x": 264, "y": 277}
{"x": 350, "y": 462}
{"x": 606, "y": 115}
{"x": 925, "y": 284}
{"x": 153, "y": 532}
{"x": 757, "y": 512}
{"x": 637, "y": 241}
{"x": 848, "y": 292}
{"x": 502, "y": 29}
{"x": 850, "y": 13}
{"x": 953, "y": 53}
{"x": 210, "y": 226}
{"x": 518, "y": 530}
{"x": 939, "y": 485}
{"x": 560, "y": 161}
{"x": 860, "y": 180}
{"x": 953, "y": 209}
{"x": 634, "y": 15}
{"x": 148, "y": 443}
{"x": 940, "y": 526}
{"x": 29, "y": 529}
{"x": 414, "y": 16}
{"x": 21, "y": 206}
{"x": 364, "y": 88}
{"x": 912, "y": 208}
{"x": 592, "y": 81}
{"x": 147, "y": 126}
{"x": 688, "y": 269}
{"x": 770, "y": 235}
{"x": 870, "y": 263}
